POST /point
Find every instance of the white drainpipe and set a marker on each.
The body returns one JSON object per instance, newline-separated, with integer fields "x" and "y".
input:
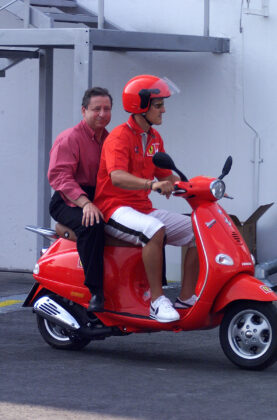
{"x": 100, "y": 14}
{"x": 206, "y": 17}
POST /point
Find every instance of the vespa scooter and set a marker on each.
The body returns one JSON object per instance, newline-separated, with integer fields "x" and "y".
{"x": 229, "y": 295}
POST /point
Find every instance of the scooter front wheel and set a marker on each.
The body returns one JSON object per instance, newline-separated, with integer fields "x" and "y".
{"x": 248, "y": 334}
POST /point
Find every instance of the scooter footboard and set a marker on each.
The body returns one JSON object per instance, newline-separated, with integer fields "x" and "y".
{"x": 243, "y": 287}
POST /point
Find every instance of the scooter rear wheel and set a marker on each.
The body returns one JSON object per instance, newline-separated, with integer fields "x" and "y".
{"x": 57, "y": 336}
{"x": 248, "y": 334}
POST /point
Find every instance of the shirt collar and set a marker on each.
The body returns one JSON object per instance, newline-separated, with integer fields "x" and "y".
{"x": 91, "y": 133}
{"x": 136, "y": 128}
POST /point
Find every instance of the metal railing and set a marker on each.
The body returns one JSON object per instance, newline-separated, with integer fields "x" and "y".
{"x": 7, "y": 5}
{"x": 26, "y": 14}
{"x": 101, "y": 17}
{"x": 26, "y": 19}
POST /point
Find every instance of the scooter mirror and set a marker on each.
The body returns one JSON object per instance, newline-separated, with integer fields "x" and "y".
{"x": 227, "y": 167}
{"x": 164, "y": 161}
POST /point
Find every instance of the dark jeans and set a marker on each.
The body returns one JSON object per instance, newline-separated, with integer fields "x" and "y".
{"x": 90, "y": 240}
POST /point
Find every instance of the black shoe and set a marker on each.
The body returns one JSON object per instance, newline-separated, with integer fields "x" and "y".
{"x": 96, "y": 303}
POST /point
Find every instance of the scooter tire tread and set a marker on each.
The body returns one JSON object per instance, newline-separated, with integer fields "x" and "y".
{"x": 77, "y": 343}
{"x": 60, "y": 345}
{"x": 268, "y": 309}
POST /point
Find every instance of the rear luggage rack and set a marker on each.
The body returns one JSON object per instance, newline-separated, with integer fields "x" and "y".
{"x": 46, "y": 233}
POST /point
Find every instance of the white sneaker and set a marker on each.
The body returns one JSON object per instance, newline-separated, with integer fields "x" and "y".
{"x": 162, "y": 310}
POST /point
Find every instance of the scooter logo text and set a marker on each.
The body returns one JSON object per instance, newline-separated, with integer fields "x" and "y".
{"x": 211, "y": 223}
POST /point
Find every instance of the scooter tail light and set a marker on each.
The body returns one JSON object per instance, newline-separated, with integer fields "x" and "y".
{"x": 36, "y": 269}
{"x": 224, "y": 259}
{"x": 42, "y": 251}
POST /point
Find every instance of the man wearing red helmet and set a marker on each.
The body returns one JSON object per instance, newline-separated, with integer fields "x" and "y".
{"x": 126, "y": 177}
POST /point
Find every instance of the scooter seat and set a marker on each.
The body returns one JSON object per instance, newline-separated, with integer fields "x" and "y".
{"x": 65, "y": 232}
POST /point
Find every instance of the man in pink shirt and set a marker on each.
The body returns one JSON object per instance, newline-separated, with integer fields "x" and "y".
{"x": 73, "y": 167}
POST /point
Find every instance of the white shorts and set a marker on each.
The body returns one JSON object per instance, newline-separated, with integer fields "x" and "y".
{"x": 138, "y": 228}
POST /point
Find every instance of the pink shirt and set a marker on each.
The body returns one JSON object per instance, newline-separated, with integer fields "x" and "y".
{"x": 74, "y": 161}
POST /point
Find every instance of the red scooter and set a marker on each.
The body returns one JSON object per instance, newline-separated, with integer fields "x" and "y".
{"x": 228, "y": 294}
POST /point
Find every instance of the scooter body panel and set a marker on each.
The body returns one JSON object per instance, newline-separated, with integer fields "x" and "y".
{"x": 243, "y": 287}
{"x": 216, "y": 237}
{"x": 126, "y": 286}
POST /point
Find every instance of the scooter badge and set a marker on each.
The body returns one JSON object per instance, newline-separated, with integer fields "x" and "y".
{"x": 266, "y": 289}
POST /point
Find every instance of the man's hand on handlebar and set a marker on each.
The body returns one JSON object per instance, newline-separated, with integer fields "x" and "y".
{"x": 163, "y": 187}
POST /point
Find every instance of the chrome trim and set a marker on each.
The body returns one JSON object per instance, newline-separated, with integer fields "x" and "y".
{"x": 46, "y": 233}
{"x": 211, "y": 223}
{"x": 51, "y": 310}
{"x": 215, "y": 182}
{"x": 226, "y": 220}
{"x": 205, "y": 254}
{"x": 227, "y": 258}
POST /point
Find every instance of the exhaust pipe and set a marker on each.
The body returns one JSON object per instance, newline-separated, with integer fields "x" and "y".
{"x": 53, "y": 312}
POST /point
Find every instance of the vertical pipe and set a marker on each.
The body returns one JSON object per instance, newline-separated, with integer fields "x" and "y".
{"x": 100, "y": 14}
{"x": 206, "y": 17}
{"x": 265, "y": 7}
{"x": 256, "y": 175}
{"x": 44, "y": 140}
{"x": 27, "y": 14}
{"x": 83, "y": 54}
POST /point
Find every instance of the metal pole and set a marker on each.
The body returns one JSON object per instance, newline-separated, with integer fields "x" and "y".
{"x": 100, "y": 14}
{"x": 27, "y": 14}
{"x": 44, "y": 140}
{"x": 82, "y": 78}
{"x": 206, "y": 17}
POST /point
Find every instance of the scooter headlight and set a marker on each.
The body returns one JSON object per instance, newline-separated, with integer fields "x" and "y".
{"x": 217, "y": 189}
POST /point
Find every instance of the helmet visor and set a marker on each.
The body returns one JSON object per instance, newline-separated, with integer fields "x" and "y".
{"x": 163, "y": 88}
{"x": 173, "y": 88}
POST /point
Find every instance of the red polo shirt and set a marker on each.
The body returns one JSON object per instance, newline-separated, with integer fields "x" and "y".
{"x": 74, "y": 161}
{"x": 123, "y": 150}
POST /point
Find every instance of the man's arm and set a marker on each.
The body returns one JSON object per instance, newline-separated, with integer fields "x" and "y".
{"x": 172, "y": 178}
{"x": 127, "y": 181}
{"x": 91, "y": 213}
{"x": 61, "y": 174}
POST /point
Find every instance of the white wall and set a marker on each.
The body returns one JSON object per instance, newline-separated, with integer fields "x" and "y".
{"x": 202, "y": 126}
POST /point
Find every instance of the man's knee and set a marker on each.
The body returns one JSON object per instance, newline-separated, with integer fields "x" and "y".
{"x": 192, "y": 243}
{"x": 95, "y": 229}
{"x": 158, "y": 237}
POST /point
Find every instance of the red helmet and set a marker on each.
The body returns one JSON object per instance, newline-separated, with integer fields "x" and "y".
{"x": 139, "y": 91}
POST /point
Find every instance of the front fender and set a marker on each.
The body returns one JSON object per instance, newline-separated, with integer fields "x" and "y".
{"x": 243, "y": 287}
{"x": 33, "y": 294}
